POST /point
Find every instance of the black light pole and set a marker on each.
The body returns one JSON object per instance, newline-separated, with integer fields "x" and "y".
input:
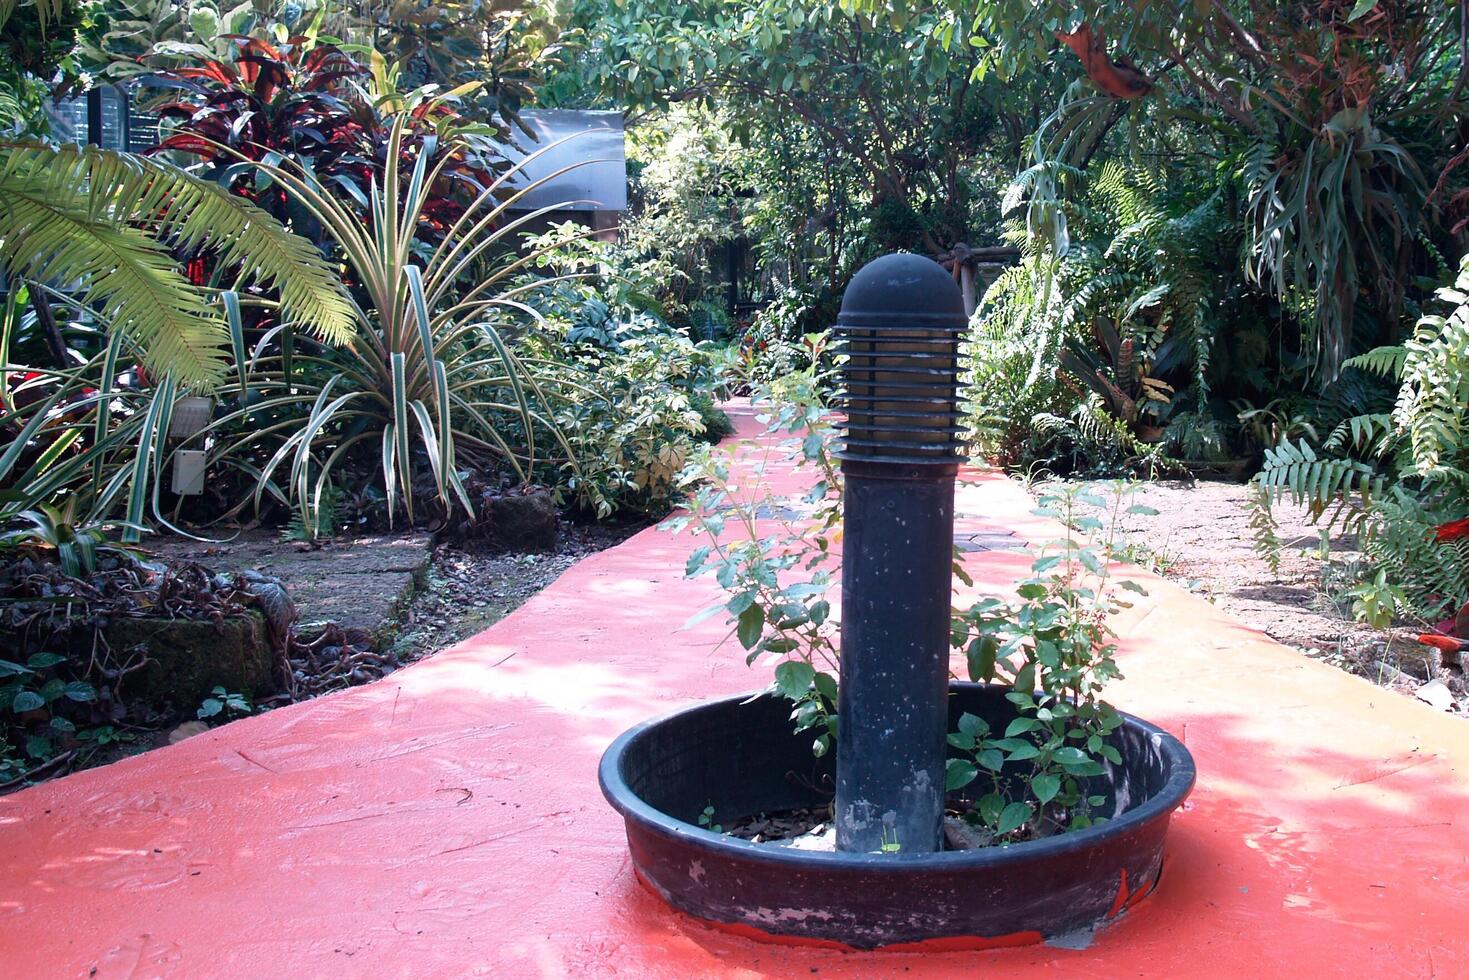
{"x": 901, "y": 321}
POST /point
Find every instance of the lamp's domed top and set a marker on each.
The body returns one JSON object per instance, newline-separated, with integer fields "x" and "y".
{"x": 903, "y": 289}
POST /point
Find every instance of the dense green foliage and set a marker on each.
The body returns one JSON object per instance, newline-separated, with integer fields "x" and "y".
{"x": 860, "y": 137}
{"x": 1396, "y": 478}
{"x": 446, "y": 364}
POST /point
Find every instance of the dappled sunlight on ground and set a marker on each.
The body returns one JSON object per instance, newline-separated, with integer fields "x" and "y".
{"x": 446, "y": 821}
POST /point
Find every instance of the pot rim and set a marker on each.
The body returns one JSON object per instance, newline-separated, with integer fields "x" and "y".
{"x": 1180, "y": 782}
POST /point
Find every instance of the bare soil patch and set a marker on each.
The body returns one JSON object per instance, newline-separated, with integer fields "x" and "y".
{"x": 1201, "y": 539}
{"x": 463, "y": 592}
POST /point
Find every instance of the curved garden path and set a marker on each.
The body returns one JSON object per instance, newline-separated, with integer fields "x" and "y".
{"x": 446, "y": 820}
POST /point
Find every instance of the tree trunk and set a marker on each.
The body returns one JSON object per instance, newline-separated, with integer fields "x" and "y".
{"x": 55, "y": 345}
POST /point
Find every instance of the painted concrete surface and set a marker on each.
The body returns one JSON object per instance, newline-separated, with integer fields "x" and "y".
{"x": 446, "y": 821}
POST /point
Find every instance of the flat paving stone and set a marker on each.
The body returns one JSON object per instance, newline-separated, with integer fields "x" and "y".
{"x": 990, "y": 540}
{"x": 356, "y": 581}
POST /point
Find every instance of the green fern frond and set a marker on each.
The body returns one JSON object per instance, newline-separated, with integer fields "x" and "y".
{"x": 188, "y": 213}
{"x": 46, "y": 10}
{"x": 1434, "y": 397}
{"x": 1368, "y": 435}
{"x": 1264, "y": 528}
{"x": 1341, "y": 490}
{"x": 1400, "y": 538}
{"x": 1384, "y": 361}
{"x": 106, "y": 221}
{"x": 128, "y": 277}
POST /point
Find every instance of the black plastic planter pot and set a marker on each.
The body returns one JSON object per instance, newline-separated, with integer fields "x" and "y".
{"x": 742, "y": 759}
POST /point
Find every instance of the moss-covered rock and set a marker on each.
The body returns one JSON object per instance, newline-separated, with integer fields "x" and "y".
{"x": 188, "y": 658}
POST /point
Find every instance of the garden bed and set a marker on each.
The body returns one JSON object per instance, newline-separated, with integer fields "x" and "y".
{"x": 364, "y": 607}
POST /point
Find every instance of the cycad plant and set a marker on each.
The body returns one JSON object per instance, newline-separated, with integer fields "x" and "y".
{"x": 430, "y": 382}
{"x": 109, "y": 226}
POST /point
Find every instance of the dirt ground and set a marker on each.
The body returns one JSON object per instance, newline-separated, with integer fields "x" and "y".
{"x": 463, "y": 592}
{"x": 1201, "y": 539}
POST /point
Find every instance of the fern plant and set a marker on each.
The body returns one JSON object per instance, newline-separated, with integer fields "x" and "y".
{"x": 1434, "y": 574}
{"x": 1434, "y": 396}
{"x": 1394, "y": 478}
{"x": 1121, "y": 288}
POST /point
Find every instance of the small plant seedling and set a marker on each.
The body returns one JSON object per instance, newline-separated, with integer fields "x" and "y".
{"x": 222, "y": 702}
{"x": 706, "y": 820}
{"x": 1376, "y": 601}
{"x": 890, "y": 846}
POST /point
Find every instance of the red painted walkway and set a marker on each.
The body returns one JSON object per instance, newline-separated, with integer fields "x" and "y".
{"x": 446, "y": 821}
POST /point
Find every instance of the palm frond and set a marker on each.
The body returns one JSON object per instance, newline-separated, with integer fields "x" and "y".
{"x": 46, "y": 10}
{"x": 107, "y": 221}
{"x": 188, "y": 214}
{"x": 50, "y": 234}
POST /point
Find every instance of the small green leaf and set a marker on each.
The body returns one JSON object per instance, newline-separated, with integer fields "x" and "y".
{"x": 696, "y": 561}
{"x": 45, "y": 659}
{"x": 1025, "y": 678}
{"x": 27, "y": 701}
{"x": 973, "y": 725}
{"x": 981, "y": 655}
{"x": 702, "y": 615}
{"x": 826, "y": 686}
{"x": 1070, "y": 756}
{"x": 210, "y": 707}
{"x": 1361, "y": 9}
{"x": 749, "y": 627}
{"x": 1023, "y": 752}
{"x": 990, "y": 806}
{"x": 991, "y": 759}
{"x": 1020, "y": 726}
{"x": 1045, "y": 787}
{"x": 80, "y": 691}
{"x": 959, "y": 773}
{"x": 794, "y": 678}
{"x": 1012, "y": 817}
